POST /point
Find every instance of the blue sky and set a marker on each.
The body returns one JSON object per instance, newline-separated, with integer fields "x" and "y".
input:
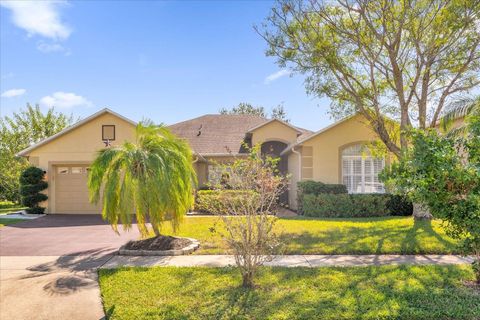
{"x": 167, "y": 61}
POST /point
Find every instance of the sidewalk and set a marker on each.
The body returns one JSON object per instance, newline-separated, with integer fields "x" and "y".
{"x": 285, "y": 261}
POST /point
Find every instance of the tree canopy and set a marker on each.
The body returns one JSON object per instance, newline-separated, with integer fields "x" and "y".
{"x": 401, "y": 59}
{"x": 19, "y": 131}
{"x": 278, "y": 112}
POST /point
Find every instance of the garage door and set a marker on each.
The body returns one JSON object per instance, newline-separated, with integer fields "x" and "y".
{"x": 71, "y": 192}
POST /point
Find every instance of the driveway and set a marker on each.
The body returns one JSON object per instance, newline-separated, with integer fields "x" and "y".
{"x": 48, "y": 266}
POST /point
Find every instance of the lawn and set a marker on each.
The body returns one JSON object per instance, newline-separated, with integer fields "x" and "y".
{"x": 6, "y": 222}
{"x": 387, "y": 235}
{"x": 387, "y": 292}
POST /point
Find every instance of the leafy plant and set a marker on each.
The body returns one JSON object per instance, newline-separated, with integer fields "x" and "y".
{"x": 404, "y": 60}
{"x": 31, "y": 184}
{"x": 444, "y": 173}
{"x": 152, "y": 178}
{"x": 212, "y": 201}
{"x": 345, "y": 205}
{"x": 19, "y": 131}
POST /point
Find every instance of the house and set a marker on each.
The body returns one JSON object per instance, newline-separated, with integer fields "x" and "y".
{"x": 334, "y": 154}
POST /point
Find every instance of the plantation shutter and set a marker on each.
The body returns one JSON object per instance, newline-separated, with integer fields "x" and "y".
{"x": 360, "y": 170}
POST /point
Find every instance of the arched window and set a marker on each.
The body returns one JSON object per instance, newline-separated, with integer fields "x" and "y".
{"x": 360, "y": 170}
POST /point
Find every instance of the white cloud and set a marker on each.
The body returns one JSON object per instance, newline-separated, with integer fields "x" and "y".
{"x": 65, "y": 100}
{"x": 13, "y": 93}
{"x": 275, "y": 76}
{"x": 39, "y": 18}
{"x": 52, "y": 47}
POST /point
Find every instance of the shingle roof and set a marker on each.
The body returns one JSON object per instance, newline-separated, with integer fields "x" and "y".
{"x": 219, "y": 133}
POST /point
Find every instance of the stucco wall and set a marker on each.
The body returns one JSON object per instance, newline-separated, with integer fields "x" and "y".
{"x": 327, "y": 146}
{"x": 274, "y": 131}
{"x": 78, "y": 146}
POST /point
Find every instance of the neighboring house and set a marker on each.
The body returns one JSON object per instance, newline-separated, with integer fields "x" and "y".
{"x": 332, "y": 155}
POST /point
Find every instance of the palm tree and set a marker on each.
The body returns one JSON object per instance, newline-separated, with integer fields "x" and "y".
{"x": 152, "y": 178}
{"x": 458, "y": 110}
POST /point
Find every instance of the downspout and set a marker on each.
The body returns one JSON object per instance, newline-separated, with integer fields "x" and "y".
{"x": 299, "y": 173}
{"x": 299, "y": 163}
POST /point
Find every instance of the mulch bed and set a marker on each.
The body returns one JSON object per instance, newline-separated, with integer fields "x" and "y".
{"x": 159, "y": 243}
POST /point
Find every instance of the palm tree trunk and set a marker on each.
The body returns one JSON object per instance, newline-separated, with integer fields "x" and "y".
{"x": 155, "y": 229}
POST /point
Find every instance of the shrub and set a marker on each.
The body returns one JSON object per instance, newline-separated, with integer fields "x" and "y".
{"x": 316, "y": 187}
{"x": 345, "y": 205}
{"x": 7, "y": 204}
{"x": 31, "y": 183}
{"x": 212, "y": 201}
{"x": 398, "y": 205}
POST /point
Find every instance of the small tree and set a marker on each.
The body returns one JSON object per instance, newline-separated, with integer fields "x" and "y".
{"x": 444, "y": 173}
{"x": 152, "y": 178}
{"x": 249, "y": 220}
{"x": 31, "y": 184}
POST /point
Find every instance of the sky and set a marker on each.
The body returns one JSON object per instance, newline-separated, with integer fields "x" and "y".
{"x": 166, "y": 61}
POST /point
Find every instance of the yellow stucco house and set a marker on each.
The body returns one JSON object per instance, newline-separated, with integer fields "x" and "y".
{"x": 331, "y": 155}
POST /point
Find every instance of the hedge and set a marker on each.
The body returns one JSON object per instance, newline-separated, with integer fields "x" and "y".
{"x": 213, "y": 201}
{"x": 316, "y": 187}
{"x": 355, "y": 205}
{"x": 8, "y": 204}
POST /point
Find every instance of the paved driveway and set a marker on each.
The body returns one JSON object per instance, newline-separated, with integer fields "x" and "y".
{"x": 48, "y": 266}
{"x": 55, "y": 235}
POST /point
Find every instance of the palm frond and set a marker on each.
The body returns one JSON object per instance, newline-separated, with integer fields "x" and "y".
{"x": 152, "y": 178}
{"x": 457, "y": 110}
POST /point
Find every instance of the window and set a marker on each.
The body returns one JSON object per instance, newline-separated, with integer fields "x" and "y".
{"x": 360, "y": 170}
{"x": 77, "y": 170}
{"x": 108, "y": 132}
{"x": 62, "y": 170}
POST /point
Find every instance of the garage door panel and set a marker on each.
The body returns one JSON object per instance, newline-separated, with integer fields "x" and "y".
{"x": 71, "y": 191}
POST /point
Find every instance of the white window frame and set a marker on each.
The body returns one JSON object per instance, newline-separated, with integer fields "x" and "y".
{"x": 365, "y": 158}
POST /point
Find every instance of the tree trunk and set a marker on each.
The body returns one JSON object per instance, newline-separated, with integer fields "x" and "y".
{"x": 421, "y": 212}
{"x": 247, "y": 280}
{"x": 155, "y": 229}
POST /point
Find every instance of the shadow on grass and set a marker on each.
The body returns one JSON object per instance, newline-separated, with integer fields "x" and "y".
{"x": 416, "y": 238}
{"x": 396, "y": 292}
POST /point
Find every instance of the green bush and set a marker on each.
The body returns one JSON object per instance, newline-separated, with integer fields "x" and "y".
{"x": 31, "y": 183}
{"x": 345, "y": 205}
{"x": 398, "y": 205}
{"x": 316, "y": 187}
{"x": 212, "y": 201}
{"x": 8, "y": 204}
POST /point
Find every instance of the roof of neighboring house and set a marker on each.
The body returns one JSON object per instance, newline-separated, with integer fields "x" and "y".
{"x": 217, "y": 134}
{"x": 25, "y": 152}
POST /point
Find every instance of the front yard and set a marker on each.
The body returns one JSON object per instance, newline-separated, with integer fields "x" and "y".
{"x": 388, "y": 292}
{"x": 386, "y": 235}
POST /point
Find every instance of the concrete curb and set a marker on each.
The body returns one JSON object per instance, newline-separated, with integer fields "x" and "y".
{"x": 187, "y": 250}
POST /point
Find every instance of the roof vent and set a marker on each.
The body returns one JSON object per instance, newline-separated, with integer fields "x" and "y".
{"x": 199, "y": 130}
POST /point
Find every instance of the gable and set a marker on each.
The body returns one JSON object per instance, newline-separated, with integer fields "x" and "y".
{"x": 84, "y": 138}
{"x": 274, "y": 131}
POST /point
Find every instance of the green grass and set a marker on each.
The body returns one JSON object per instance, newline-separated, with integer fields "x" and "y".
{"x": 336, "y": 236}
{"x": 387, "y": 292}
{"x": 6, "y": 221}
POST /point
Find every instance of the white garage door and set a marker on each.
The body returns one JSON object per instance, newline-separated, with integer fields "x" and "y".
{"x": 71, "y": 192}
